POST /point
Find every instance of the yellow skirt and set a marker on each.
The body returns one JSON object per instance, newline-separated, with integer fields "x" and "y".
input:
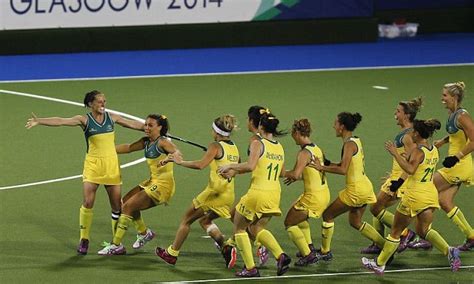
{"x": 104, "y": 170}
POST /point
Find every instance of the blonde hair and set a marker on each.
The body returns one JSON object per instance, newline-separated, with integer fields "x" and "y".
{"x": 226, "y": 122}
{"x": 456, "y": 90}
{"x": 302, "y": 126}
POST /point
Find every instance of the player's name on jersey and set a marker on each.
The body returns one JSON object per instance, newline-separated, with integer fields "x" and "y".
{"x": 273, "y": 156}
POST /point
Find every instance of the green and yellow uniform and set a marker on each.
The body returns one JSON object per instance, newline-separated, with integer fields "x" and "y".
{"x": 359, "y": 190}
{"x": 160, "y": 186}
{"x": 316, "y": 196}
{"x": 420, "y": 191}
{"x": 463, "y": 171}
{"x": 397, "y": 171}
{"x": 219, "y": 195}
{"x": 101, "y": 164}
{"x": 263, "y": 196}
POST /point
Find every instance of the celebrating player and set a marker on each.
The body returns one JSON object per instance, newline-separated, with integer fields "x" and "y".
{"x": 101, "y": 164}
{"x": 217, "y": 198}
{"x": 156, "y": 190}
{"x": 419, "y": 200}
{"x": 315, "y": 197}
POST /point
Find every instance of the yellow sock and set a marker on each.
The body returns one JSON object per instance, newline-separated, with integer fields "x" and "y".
{"x": 370, "y": 233}
{"x": 438, "y": 242}
{"x": 85, "y": 221}
{"x": 404, "y": 232}
{"x": 172, "y": 251}
{"x": 378, "y": 226}
{"x": 243, "y": 244}
{"x": 122, "y": 227}
{"x": 269, "y": 241}
{"x": 326, "y": 235}
{"x": 458, "y": 218}
{"x": 139, "y": 225}
{"x": 386, "y": 218}
{"x": 299, "y": 240}
{"x": 389, "y": 248}
{"x": 306, "y": 230}
{"x": 115, "y": 216}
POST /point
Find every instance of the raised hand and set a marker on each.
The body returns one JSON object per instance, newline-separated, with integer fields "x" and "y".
{"x": 32, "y": 121}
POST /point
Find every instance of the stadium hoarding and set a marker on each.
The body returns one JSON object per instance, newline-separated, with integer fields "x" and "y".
{"x": 53, "y": 14}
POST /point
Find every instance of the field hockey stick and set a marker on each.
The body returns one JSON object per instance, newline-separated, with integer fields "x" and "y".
{"x": 186, "y": 141}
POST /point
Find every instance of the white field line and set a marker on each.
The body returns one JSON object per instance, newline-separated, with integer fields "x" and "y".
{"x": 318, "y": 275}
{"x": 71, "y": 103}
{"x": 242, "y": 72}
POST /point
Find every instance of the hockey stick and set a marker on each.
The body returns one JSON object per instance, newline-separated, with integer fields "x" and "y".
{"x": 186, "y": 141}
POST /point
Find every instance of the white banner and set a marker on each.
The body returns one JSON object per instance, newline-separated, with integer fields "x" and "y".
{"x": 39, "y": 14}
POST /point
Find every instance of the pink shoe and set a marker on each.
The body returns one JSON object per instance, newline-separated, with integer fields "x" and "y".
{"x": 467, "y": 246}
{"x": 372, "y": 249}
{"x": 263, "y": 255}
{"x": 248, "y": 273}
{"x": 83, "y": 247}
{"x": 163, "y": 254}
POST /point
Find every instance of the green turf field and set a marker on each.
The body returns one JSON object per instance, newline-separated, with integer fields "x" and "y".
{"x": 39, "y": 224}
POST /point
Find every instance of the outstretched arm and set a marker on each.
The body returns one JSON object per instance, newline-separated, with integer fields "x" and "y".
{"x": 255, "y": 152}
{"x": 302, "y": 160}
{"x": 56, "y": 121}
{"x": 129, "y": 148}
{"x": 348, "y": 149}
{"x": 212, "y": 152}
{"x": 132, "y": 124}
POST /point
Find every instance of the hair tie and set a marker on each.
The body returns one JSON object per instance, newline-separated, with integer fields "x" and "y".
{"x": 266, "y": 110}
{"x": 163, "y": 116}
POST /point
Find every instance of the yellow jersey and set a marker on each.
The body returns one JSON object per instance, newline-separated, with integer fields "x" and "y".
{"x": 313, "y": 179}
{"x": 423, "y": 176}
{"x": 356, "y": 171}
{"x": 230, "y": 155}
{"x": 154, "y": 155}
{"x": 397, "y": 171}
{"x": 266, "y": 174}
{"x": 100, "y": 137}
{"x": 457, "y": 137}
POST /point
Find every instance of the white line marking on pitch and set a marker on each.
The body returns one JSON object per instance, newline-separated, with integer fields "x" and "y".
{"x": 317, "y": 275}
{"x": 71, "y": 103}
{"x": 243, "y": 72}
{"x": 380, "y": 87}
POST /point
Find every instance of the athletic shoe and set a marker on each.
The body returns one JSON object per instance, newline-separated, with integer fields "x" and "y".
{"x": 371, "y": 264}
{"x": 372, "y": 249}
{"x": 311, "y": 248}
{"x": 83, "y": 247}
{"x": 404, "y": 240}
{"x": 420, "y": 243}
{"x": 112, "y": 249}
{"x": 324, "y": 256}
{"x": 306, "y": 260}
{"x": 248, "y": 273}
{"x": 143, "y": 239}
{"x": 453, "y": 258}
{"x": 163, "y": 254}
{"x": 467, "y": 246}
{"x": 230, "y": 255}
{"x": 283, "y": 264}
{"x": 263, "y": 255}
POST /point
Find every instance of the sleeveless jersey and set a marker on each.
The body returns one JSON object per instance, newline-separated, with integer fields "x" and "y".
{"x": 423, "y": 176}
{"x": 154, "y": 155}
{"x": 457, "y": 138}
{"x": 266, "y": 174}
{"x": 100, "y": 137}
{"x": 398, "y": 141}
{"x": 314, "y": 180}
{"x": 230, "y": 155}
{"x": 356, "y": 172}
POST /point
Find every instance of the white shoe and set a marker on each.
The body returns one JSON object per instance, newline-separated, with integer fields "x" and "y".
{"x": 143, "y": 239}
{"x": 371, "y": 264}
{"x": 112, "y": 249}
